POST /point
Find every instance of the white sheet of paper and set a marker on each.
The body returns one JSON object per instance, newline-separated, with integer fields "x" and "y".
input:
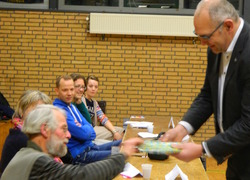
{"x": 130, "y": 171}
{"x": 147, "y": 135}
{"x": 186, "y": 138}
{"x": 174, "y": 173}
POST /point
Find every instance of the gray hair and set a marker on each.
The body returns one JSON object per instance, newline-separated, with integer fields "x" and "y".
{"x": 218, "y": 10}
{"x": 42, "y": 114}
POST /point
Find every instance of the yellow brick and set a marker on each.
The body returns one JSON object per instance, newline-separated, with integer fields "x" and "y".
{"x": 46, "y": 16}
{"x": 15, "y": 15}
{"x": 3, "y": 19}
{"x": 51, "y": 30}
{"x": 50, "y": 21}
{"x": 162, "y": 74}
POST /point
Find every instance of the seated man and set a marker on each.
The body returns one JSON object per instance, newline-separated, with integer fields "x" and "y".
{"x": 81, "y": 147}
{"x": 48, "y": 134}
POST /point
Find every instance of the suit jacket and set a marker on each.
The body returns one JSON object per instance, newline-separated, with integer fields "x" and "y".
{"x": 236, "y": 102}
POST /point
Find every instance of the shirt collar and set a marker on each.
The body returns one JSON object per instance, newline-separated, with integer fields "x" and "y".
{"x": 236, "y": 36}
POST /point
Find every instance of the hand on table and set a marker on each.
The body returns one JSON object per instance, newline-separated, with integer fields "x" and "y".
{"x": 189, "y": 151}
{"x": 129, "y": 147}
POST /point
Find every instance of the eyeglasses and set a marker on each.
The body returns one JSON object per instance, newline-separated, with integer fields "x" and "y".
{"x": 207, "y": 37}
{"x": 80, "y": 87}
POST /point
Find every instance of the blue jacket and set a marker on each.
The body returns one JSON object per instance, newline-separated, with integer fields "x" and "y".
{"x": 82, "y": 133}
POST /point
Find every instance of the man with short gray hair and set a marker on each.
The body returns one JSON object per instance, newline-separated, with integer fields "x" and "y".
{"x": 48, "y": 134}
{"x": 225, "y": 92}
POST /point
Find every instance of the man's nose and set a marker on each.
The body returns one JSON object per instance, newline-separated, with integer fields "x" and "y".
{"x": 68, "y": 135}
{"x": 70, "y": 92}
{"x": 203, "y": 42}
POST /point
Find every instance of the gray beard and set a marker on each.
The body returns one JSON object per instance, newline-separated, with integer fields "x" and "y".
{"x": 56, "y": 147}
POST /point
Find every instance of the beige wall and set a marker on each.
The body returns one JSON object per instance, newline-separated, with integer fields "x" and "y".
{"x": 139, "y": 75}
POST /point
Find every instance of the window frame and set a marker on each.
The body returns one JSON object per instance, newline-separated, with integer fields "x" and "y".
{"x": 134, "y": 10}
{"x": 35, "y": 6}
{"x": 59, "y": 5}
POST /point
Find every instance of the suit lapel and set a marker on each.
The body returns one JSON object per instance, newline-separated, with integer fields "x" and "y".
{"x": 215, "y": 82}
{"x": 231, "y": 69}
{"x": 235, "y": 55}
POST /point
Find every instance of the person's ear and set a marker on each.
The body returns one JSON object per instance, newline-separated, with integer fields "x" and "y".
{"x": 229, "y": 24}
{"x": 57, "y": 91}
{"x": 44, "y": 130}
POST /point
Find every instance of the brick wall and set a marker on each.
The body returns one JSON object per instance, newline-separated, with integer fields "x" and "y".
{"x": 139, "y": 75}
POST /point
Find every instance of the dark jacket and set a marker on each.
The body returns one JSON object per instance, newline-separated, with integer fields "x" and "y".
{"x": 235, "y": 141}
{"x": 13, "y": 143}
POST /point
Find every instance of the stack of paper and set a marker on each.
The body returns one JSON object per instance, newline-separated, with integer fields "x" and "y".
{"x": 147, "y": 135}
{"x": 139, "y": 124}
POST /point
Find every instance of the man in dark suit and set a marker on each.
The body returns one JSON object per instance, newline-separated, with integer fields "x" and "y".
{"x": 225, "y": 93}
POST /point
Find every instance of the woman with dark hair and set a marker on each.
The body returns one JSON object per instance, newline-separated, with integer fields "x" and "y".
{"x": 103, "y": 127}
{"x": 80, "y": 86}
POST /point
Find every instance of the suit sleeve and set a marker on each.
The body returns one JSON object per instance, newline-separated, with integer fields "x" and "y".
{"x": 202, "y": 107}
{"x": 237, "y": 112}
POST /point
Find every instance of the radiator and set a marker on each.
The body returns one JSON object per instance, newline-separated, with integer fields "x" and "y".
{"x": 134, "y": 24}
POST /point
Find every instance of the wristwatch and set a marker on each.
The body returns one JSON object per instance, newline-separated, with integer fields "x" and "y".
{"x": 114, "y": 131}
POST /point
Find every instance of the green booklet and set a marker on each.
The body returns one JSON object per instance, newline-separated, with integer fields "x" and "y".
{"x": 158, "y": 147}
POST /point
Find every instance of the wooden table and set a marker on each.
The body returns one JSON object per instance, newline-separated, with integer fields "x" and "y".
{"x": 194, "y": 169}
{"x": 4, "y": 131}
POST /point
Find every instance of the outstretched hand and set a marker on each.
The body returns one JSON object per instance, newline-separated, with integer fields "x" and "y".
{"x": 129, "y": 147}
{"x": 174, "y": 135}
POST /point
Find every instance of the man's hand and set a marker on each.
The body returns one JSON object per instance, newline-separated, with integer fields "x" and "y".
{"x": 129, "y": 147}
{"x": 174, "y": 135}
{"x": 189, "y": 151}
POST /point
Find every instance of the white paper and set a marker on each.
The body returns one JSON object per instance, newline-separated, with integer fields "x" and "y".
{"x": 130, "y": 171}
{"x": 186, "y": 138}
{"x": 174, "y": 173}
{"x": 139, "y": 124}
{"x": 147, "y": 135}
